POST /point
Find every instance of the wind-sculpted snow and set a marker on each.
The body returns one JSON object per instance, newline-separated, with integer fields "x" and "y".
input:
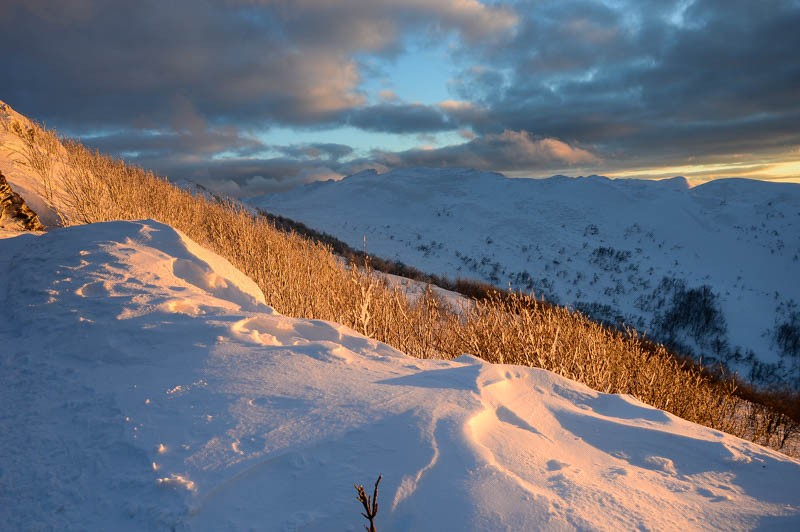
{"x": 145, "y": 385}
{"x": 711, "y": 270}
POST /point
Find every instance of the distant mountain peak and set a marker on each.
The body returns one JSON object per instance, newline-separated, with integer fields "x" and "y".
{"x": 677, "y": 182}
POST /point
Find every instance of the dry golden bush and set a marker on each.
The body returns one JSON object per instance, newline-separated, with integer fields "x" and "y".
{"x": 37, "y": 151}
{"x": 304, "y": 279}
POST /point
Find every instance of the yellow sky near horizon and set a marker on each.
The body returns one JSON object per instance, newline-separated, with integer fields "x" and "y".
{"x": 783, "y": 171}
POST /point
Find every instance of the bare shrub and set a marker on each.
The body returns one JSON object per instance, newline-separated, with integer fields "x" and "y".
{"x": 370, "y": 504}
{"x": 38, "y": 152}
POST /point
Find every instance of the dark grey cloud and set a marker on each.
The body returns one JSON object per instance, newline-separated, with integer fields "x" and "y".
{"x": 241, "y": 62}
{"x": 736, "y": 59}
{"x": 647, "y": 80}
{"x": 132, "y": 63}
{"x": 400, "y": 118}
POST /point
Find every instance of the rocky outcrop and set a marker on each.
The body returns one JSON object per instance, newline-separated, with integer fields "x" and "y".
{"x": 14, "y": 213}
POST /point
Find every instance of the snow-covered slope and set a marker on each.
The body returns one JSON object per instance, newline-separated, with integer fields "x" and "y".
{"x": 15, "y": 164}
{"x": 145, "y": 385}
{"x": 621, "y": 250}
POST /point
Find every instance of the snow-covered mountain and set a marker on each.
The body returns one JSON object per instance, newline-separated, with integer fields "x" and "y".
{"x": 711, "y": 269}
{"x": 146, "y": 386}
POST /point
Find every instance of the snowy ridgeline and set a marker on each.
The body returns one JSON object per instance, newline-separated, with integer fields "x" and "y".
{"x": 711, "y": 270}
{"x": 145, "y": 385}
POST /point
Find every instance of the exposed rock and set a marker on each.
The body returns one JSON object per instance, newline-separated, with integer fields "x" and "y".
{"x": 14, "y": 213}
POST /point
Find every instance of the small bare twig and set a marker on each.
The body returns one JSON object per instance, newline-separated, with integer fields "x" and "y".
{"x": 370, "y": 504}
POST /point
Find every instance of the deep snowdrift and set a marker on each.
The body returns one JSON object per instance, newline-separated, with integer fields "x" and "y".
{"x": 145, "y": 385}
{"x": 603, "y": 246}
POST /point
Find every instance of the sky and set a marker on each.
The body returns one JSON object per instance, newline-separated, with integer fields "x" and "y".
{"x": 257, "y": 96}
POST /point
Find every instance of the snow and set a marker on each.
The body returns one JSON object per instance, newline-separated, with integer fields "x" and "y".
{"x": 415, "y": 289}
{"x": 145, "y": 386}
{"x": 593, "y": 243}
{"x": 19, "y": 176}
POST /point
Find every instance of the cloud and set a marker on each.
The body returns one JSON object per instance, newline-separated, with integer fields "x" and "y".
{"x": 506, "y": 151}
{"x": 644, "y": 80}
{"x": 316, "y": 151}
{"x": 244, "y": 169}
{"x": 258, "y": 185}
{"x": 147, "y": 147}
{"x": 521, "y": 150}
{"x": 250, "y": 176}
{"x": 456, "y": 106}
{"x": 396, "y": 116}
{"x": 187, "y": 87}
{"x": 375, "y": 25}
{"x": 399, "y": 118}
{"x": 169, "y": 82}
{"x": 387, "y": 95}
{"x": 242, "y": 62}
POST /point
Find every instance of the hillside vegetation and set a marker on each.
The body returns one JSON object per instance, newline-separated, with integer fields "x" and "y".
{"x": 303, "y": 278}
